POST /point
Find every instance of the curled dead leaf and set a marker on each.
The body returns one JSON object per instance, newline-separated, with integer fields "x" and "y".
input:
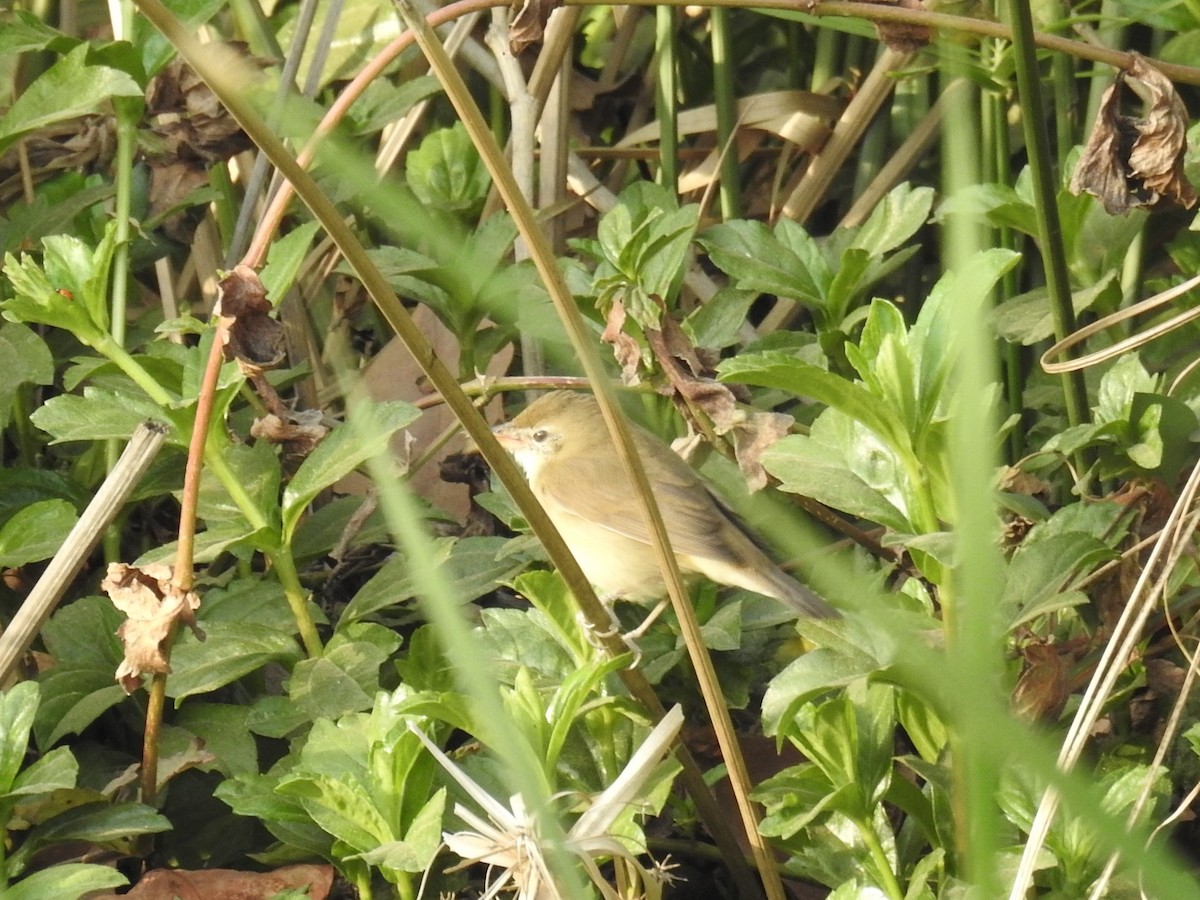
{"x": 529, "y": 23}
{"x": 1043, "y": 688}
{"x": 1132, "y": 161}
{"x": 255, "y": 339}
{"x": 298, "y": 430}
{"x": 154, "y": 607}
{"x": 625, "y": 348}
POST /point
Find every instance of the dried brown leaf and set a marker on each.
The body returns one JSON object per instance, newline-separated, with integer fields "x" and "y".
{"x": 1133, "y": 162}
{"x": 154, "y": 607}
{"x": 625, "y": 348}
{"x": 255, "y": 339}
{"x": 529, "y": 23}
{"x": 1043, "y": 688}
{"x": 298, "y": 430}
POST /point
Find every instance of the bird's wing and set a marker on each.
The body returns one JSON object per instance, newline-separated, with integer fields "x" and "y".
{"x": 693, "y": 515}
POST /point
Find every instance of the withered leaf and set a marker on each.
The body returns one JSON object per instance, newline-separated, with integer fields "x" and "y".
{"x": 298, "y": 430}
{"x": 1133, "y": 161}
{"x": 529, "y": 23}
{"x": 255, "y": 339}
{"x": 625, "y": 348}
{"x": 154, "y": 606}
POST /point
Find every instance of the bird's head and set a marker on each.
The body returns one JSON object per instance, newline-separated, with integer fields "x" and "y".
{"x": 556, "y": 427}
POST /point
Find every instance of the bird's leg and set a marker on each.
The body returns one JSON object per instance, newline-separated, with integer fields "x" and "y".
{"x": 594, "y": 635}
{"x": 630, "y": 636}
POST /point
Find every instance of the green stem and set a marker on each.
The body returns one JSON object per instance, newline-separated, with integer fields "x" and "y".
{"x": 128, "y": 114}
{"x": 665, "y": 91}
{"x": 883, "y": 867}
{"x": 1041, "y": 166}
{"x": 726, "y": 103}
{"x": 297, "y": 598}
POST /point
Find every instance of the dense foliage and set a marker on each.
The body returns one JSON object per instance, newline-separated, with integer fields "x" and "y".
{"x": 835, "y": 255}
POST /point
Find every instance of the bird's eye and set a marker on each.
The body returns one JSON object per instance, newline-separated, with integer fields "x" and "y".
{"x": 540, "y": 435}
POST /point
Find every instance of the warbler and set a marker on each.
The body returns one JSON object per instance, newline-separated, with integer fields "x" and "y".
{"x": 562, "y": 444}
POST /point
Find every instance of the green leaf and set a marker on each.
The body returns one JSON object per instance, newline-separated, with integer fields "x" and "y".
{"x": 340, "y": 806}
{"x": 100, "y": 414}
{"x": 421, "y": 841}
{"x": 222, "y": 729}
{"x": 24, "y": 359}
{"x": 23, "y": 32}
{"x": 229, "y": 651}
{"x": 1026, "y": 319}
{"x": 1041, "y": 574}
{"x": 284, "y": 259}
{"x": 57, "y": 770}
{"x": 894, "y": 220}
{"x": 68, "y": 881}
{"x": 21, "y": 487}
{"x": 816, "y": 469}
{"x": 345, "y": 678}
{"x": 342, "y": 451}
{"x": 758, "y": 261}
{"x": 445, "y": 171}
{"x": 18, "y": 706}
{"x": 96, "y": 823}
{"x": 68, "y": 89}
{"x": 82, "y": 640}
{"x": 36, "y": 532}
{"x": 472, "y": 566}
{"x": 718, "y": 323}
{"x": 777, "y": 369}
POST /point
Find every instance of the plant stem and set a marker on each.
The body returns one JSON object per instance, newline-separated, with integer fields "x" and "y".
{"x": 285, "y": 571}
{"x": 156, "y": 701}
{"x": 883, "y": 866}
{"x": 726, "y": 103}
{"x": 665, "y": 92}
{"x": 1042, "y": 168}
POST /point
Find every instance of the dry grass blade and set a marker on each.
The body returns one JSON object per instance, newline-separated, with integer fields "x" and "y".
{"x": 143, "y": 447}
{"x": 1151, "y": 588}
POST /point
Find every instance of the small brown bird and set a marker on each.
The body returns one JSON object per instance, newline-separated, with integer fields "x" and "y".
{"x": 563, "y": 445}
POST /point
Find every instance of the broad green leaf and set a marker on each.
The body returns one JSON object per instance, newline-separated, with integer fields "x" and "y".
{"x": 68, "y": 881}
{"x": 229, "y": 651}
{"x": 719, "y": 322}
{"x": 284, "y": 259}
{"x": 18, "y": 706}
{"x": 98, "y": 415}
{"x": 256, "y": 470}
{"x": 345, "y": 678}
{"x": 81, "y": 637}
{"x": 23, "y": 32}
{"x": 24, "y": 359}
{"x": 472, "y": 567}
{"x": 57, "y": 770}
{"x": 341, "y": 806}
{"x": 895, "y": 219}
{"x": 778, "y": 369}
{"x": 813, "y": 469}
{"x": 68, "y": 89}
{"x": 1026, "y": 319}
{"x": 757, "y": 261}
{"x": 813, "y": 673}
{"x": 21, "y": 487}
{"x": 96, "y": 824}
{"x": 421, "y": 841}
{"x": 445, "y": 170}
{"x": 1040, "y": 571}
{"x": 342, "y": 451}
{"x": 222, "y": 728}
{"x": 36, "y": 532}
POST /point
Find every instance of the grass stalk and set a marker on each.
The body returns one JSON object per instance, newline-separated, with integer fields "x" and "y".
{"x": 725, "y": 99}
{"x": 664, "y": 98}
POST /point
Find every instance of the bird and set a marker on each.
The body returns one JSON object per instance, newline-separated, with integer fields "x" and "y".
{"x": 561, "y": 443}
